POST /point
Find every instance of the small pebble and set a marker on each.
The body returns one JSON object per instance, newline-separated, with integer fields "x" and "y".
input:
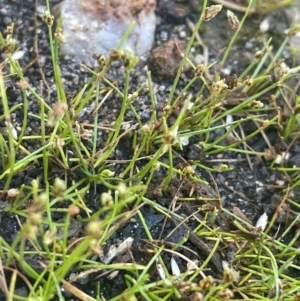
{"x": 164, "y": 60}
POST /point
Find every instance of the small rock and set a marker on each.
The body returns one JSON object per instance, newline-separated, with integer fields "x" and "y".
{"x": 97, "y": 26}
{"x": 21, "y": 291}
{"x": 164, "y": 60}
{"x": 199, "y": 58}
{"x": 175, "y": 12}
{"x": 295, "y": 160}
{"x": 73, "y": 228}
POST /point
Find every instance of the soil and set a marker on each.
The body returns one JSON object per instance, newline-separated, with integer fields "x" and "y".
{"x": 251, "y": 188}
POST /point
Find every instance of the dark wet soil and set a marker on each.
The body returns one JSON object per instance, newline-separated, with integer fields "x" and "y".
{"x": 253, "y": 190}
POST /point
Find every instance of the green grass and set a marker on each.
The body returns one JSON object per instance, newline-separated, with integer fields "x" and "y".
{"x": 263, "y": 260}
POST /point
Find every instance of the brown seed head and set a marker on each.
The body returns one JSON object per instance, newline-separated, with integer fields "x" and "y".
{"x": 206, "y": 283}
{"x": 211, "y": 12}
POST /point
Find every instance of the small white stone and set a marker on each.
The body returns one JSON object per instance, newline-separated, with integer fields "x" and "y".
{"x": 264, "y": 25}
{"x": 284, "y": 156}
{"x": 126, "y": 126}
{"x": 198, "y": 59}
{"x": 227, "y": 70}
{"x": 97, "y": 26}
{"x": 182, "y": 34}
{"x": 280, "y": 182}
{"x": 248, "y": 45}
{"x": 72, "y": 276}
{"x": 259, "y": 183}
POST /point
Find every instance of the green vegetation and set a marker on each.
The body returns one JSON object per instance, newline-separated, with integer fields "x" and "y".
{"x": 264, "y": 260}
{"x": 256, "y": 6}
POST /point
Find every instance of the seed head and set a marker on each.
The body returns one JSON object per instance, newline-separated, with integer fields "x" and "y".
{"x": 59, "y": 110}
{"x": 258, "y": 55}
{"x": 73, "y": 210}
{"x": 107, "y": 199}
{"x": 233, "y": 20}
{"x": 49, "y": 237}
{"x": 100, "y": 58}
{"x": 218, "y": 87}
{"x": 198, "y": 297}
{"x": 256, "y": 104}
{"x": 59, "y": 36}
{"x": 225, "y": 294}
{"x": 59, "y": 187}
{"x": 22, "y": 85}
{"x": 13, "y": 192}
{"x": 115, "y": 55}
{"x": 248, "y": 81}
{"x": 206, "y": 283}
{"x": 9, "y": 30}
{"x": 170, "y": 137}
{"x": 211, "y": 12}
{"x": 293, "y": 31}
{"x": 94, "y": 229}
{"x": 199, "y": 70}
{"x": 48, "y": 18}
{"x": 9, "y": 45}
{"x": 188, "y": 171}
{"x": 228, "y": 275}
{"x": 122, "y": 190}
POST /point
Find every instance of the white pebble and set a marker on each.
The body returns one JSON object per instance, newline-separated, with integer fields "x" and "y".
{"x": 97, "y": 27}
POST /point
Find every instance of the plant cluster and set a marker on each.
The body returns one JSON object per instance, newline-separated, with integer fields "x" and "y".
{"x": 264, "y": 260}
